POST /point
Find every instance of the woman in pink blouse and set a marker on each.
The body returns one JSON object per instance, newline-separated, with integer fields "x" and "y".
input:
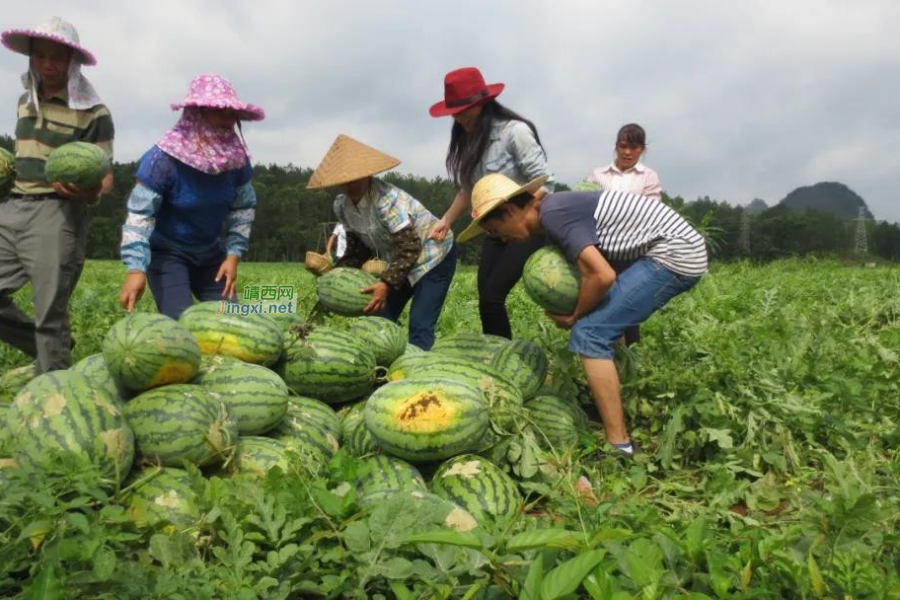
{"x": 626, "y": 173}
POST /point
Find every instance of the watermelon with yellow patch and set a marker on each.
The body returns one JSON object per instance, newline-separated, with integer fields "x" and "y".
{"x": 253, "y": 338}
{"x": 61, "y": 414}
{"x": 426, "y": 419}
{"x": 145, "y": 351}
{"x": 162, "y": 495}
{"x": 429, "y": 511}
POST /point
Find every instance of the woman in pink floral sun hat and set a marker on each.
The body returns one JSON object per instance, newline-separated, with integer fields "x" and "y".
{"x": 192, "y": 183}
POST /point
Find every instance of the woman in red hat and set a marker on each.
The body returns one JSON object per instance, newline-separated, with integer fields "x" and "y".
{"x": 487, "y": 137}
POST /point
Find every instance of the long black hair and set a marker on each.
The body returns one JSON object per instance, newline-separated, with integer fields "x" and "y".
{"x": 466, "y": 149}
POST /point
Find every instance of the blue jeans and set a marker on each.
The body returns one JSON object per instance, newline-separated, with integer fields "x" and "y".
{"x": 427, "y": 301}
{"x": 175, "y": 275}
{"x": 639, "y": 291}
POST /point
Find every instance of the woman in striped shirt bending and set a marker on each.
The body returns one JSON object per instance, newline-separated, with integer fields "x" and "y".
{"x": 592, "y": 228}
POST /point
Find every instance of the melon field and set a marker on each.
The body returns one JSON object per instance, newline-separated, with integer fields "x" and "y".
{"x": 766, "y": 402}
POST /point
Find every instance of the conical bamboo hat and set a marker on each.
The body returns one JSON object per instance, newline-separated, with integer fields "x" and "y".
{"x": 348, "y": 160}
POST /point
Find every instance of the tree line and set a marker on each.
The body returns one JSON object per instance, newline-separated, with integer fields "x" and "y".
{"x": 290, "y": 220}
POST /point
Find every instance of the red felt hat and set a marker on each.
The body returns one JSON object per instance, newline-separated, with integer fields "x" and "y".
{"x": 464, "y": 88}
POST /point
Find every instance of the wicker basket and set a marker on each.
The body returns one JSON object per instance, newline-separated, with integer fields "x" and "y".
{"x": 375, "y": 266}
{"x": 317, "y": 264}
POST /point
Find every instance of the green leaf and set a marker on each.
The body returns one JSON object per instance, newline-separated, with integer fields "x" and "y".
{"x": 546, "y": 538}
{"x": 78, "y": 521}
{"x": 395, "y": 568}
{"x": 35, "y": 531}
{"x": 105, "y": 562}
{"x": 720, "y": 436}
{"x": 815, "y": 576}
{"x": 645, "y": 562}
{"x": 532, "y": 589}
{"x": 670, "y": 435}
{"x": 452, "y": 538}
{"x": 566, "y": 578}
{"x": 45, "y": 586}
{"x": 356, "y": 536}
{"x": 401, "y": 592}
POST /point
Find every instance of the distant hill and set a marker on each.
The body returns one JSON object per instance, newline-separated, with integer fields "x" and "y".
{"x": 756, "y": 206}
{"x": 829, "y": 196}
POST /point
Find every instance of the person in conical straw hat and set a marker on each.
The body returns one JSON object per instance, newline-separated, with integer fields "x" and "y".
{"x": 195, "y": 182}
{"x": 594, "y": 228}
{"x": 382, "y": 220}
{"x": 43, "y": 224}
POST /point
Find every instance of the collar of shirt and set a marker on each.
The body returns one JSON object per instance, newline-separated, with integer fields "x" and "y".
{"x": 612, "y": 168}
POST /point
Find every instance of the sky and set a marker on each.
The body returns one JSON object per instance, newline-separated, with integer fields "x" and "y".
{"x": 740, "y": 100}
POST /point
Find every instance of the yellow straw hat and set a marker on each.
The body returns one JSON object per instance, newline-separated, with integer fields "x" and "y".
{"x": 348, "y": 160}
{"x": 490, "y": 192}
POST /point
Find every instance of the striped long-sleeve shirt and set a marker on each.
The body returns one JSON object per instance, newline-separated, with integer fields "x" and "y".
{"x": 58, "y": 125}
{"x": 624, "y": 227}
{"x": 176, "y": 206}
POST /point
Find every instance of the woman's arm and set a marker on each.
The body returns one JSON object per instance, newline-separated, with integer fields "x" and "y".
{"x": 459, "y": 205}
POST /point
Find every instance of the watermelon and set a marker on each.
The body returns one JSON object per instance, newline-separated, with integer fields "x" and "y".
{"x": 94, "y": 368}
{"x": 182, "y": 423}
{"x": 386, "y": 338}
{"x": 254, "y": 338}
{"x": 310, "y": 424}
{"x": 329, "y": 365}
{"x": 338, "y": 290}
{"x": 551, "y": 281}
{"x": 255, "y": 396}
{"x": 426, "y": 419}
{"x": 479, "y": 486}
{"x": 145, "y": 351}
{"x": 78, "y": 163}
{"x": 504, "y": 399}
{"x": 61, "y": 413}
{"x": 379, "y": 473}
{"x": 524, "y": 364}
{"x": 257, "y": 455}
{"x": 406, "y": 364}
{"x": 557, "y": 420}
{"x": 350, "y": 417}
{"x": 430, "y": 509}
{"x": 14, "y": 380}
{"x": 162, "y": 495}
{"x": 479, "y": 347}
{"x": 7, "y": 171}
{"x": 361, "y": 442}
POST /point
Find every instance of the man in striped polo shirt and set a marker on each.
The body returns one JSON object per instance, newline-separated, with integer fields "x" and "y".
{"x": 43, "y": 226}
{"x": 668, "y": 257}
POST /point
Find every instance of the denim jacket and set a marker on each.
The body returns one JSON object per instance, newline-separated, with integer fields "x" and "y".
{"x": 514, "y": 152}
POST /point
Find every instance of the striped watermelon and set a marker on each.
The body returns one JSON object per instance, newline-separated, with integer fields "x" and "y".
{"x": 406, "y": 364}
{"x": 430, "y": 508}
{"x": 7, "y": 172}
{"x": 350, "y": 416}
{"x": 256, "y": 455}
{"x": 14, "y": 380}
{"x": 426, "y": 419}
{"x": 79, "y": 163}
{"x": 329, "y": 365}
{"x": 478, "y": 486}
{"x": 525, "y": 364}
{"x": 61, "y": 413}
{"x": 162, "y": 495}
{"x": 310, "y": 424}
{"x": 551, "y": 281}
{"x": 182, "y": 423}
{"x": 94, "y": 368}
{"x": 255, "y": 396}
{"x": 253, "y": 338}
{"x": 361, "y": 442}
{"x": 379, "y": 473}
{"x": 386, "y": 338}
{"x": 145, "y": 351}
{"x": 504, "y": 398}
{"x": 338, "y": 290}
{"x": 559, "y": 421}
{"x": 479, "y": 347}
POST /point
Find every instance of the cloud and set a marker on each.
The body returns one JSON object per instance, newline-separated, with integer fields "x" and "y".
{"x": 740, "y": 100}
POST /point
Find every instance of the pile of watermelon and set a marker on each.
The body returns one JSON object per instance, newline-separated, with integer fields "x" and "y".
{"x": 239, "y": 396}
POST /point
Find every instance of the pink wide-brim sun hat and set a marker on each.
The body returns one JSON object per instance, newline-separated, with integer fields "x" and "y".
{"x": 55, "y": 30}
{"x": 214, "y": 91}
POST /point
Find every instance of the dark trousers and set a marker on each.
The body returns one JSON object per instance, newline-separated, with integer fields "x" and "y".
{"x": 175, "y": 276}
{"x": 498, "y": 271}
{"x": 428, "y": 297}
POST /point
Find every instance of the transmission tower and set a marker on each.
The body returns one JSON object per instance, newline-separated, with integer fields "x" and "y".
{"x": 862, "y": 241}
{"x": 744, "y": 237}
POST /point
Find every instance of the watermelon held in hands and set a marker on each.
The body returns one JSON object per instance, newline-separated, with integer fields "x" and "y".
{"x": 145, "y": 351}
{"x": 81, "y": 164}
{"x": 7, "y": 171}
{"x": 338, "y": 290}
{"x": 551, "y": 281}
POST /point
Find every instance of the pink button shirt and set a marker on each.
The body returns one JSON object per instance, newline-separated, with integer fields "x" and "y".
{"x": 639, "y": 179}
